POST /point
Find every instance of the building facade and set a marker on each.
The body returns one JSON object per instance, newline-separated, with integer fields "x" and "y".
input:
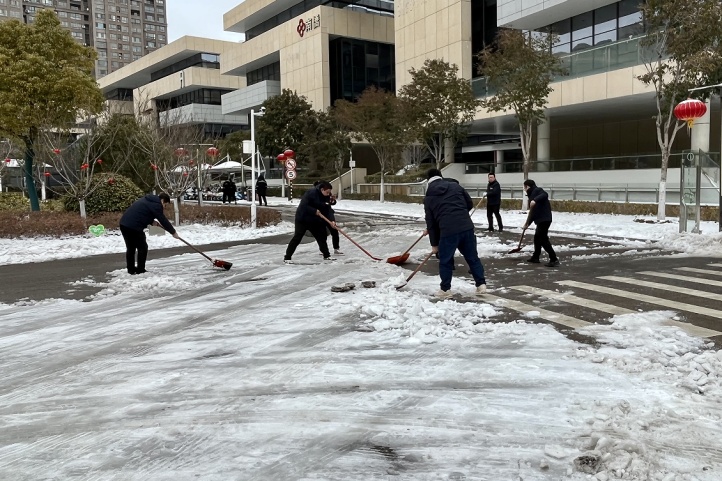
{"x": 121, "y": 31}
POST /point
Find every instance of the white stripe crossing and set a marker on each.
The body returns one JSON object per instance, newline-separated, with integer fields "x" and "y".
{"x": 555, "y": 317}
{"x": 699, "y": 271}
{"x": 664, "y": 287}
{"x": 571, "y": 299}
{"x": 679, "y": 306}
{"x": 697, "y": 280}
{"x": 715, "y": 265}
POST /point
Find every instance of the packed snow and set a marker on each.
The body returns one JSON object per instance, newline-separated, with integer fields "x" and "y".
{"x": 261, "y": 373}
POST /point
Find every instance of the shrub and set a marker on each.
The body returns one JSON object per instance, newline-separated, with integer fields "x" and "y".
{"x": 224, "y": 216}
{"x": 108, "y": 197}
{"x": 14, "y": 201}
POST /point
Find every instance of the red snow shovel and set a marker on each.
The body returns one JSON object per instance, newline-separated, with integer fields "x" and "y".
{"x": 414, "y": 273}
{"x": 518, "y": 249}
{"x": 346, "y": 236}
{"x": 216, "y": 262}
{"x": 404, "y": 257}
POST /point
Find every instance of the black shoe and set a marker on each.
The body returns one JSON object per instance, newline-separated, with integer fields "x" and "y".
{"x": 554, "y": 263}
{"x": 132, "y": 273}
{"x": 140, "y": 271}
{"x": 490, "y": 229}
{"x": 534, "y": 260}
{"x": 501, "y": 229}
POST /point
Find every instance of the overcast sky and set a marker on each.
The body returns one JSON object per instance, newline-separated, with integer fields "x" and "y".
{"x": 200, "y": 18}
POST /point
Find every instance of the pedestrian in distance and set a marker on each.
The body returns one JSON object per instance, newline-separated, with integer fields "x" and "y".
{"x": 144, "y": 211}
{"x": 315, "y": 201}
{"x": 493, "y": 202}
{"x": 541, "y": 214}
{"x": 226, "y": 189}
{"x": 449, "y": 227}
{"x": 261, "y": 188}
{"x": 232, "y": 189}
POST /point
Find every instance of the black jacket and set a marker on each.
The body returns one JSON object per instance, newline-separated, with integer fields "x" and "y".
{"x": 229, "y": 187}
{"x": 493, "y": 193}
{"x": 542, "y": 210}
{"x": 143, "y": 212}
{"x": 312, "y": 201}
{"x": 447, "y": 207}
{"x": 261, "y": 186}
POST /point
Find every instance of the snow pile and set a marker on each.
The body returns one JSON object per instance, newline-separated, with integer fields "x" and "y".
{"x": 149, "y": 284}
{"x": 697, "y": 244}
{"x": 47, "y": 249}
{"x": 388, "y": 309}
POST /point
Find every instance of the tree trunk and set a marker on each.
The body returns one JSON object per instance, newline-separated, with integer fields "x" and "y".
{"x": 29, "y": 181}
{"x": 662, "y": 204}
{"x": 340, "y": 184}
{"x": 525, "y": 144}
{"x": 176, "y": 211}
{"x": 82, "y": 209}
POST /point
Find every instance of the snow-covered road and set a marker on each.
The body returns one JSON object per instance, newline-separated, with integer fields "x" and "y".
{"x": 261, "y": 373}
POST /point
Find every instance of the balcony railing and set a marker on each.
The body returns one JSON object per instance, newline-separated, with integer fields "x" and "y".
{"x": 651, "y": 161}
{"x": 604, "y": 58}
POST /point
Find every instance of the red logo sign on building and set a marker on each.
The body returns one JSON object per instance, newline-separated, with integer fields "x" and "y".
{"x": 301, "y": 29}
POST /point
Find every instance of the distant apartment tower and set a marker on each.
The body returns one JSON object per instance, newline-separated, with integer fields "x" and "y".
{"x": 121, "y": 31}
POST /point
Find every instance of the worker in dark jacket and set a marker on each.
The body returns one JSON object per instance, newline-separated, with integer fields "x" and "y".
{"x": 228, "y": 190}
{"x": 315, "y": 201}
{"x": 540, "y": 212}
{"x": 261, "y": 188}
{"x": 140, "y": 215}
{"x": 493, "y": 202}
{"x": 335, "y": 239}
{"x": 449, "y": 227}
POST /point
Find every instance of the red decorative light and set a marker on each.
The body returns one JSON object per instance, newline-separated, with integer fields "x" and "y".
{"x": 190, "y": 163}
{"x": 180, "y": 152}
{"x": 689, "y": 110}
{"x": 47, "y": 174}
{"x": 185, "y": 174}
{"x": 100, "y": 161}
{"x": 84, "y": 166}
{"x": 289, "y": 153}
{"x": 281, "y": 158}
{"x": 7, "y": 161}
{"x": 111, "y": 181}
{"x": 57, "y": 151}
{"x": 153, "y": 166}
{"x": 213, "y": 152}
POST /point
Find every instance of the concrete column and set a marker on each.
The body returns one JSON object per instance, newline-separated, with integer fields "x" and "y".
{"x": 499, "y": 161}
{"x": 448, "y": 151}
{"x": 543, "y": 146}
{"x": 701, "y": 131}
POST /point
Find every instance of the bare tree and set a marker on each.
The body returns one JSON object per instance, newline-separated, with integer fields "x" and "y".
{"x": 416, "y": 153}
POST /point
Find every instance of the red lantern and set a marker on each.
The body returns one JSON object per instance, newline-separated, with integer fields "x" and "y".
{"x": 213, "y": 152}
{"x": 689, "y": 110}
{"x": 289, "y": 153}
{"x": 7, "y": 161}
{"x": 57, "y": 151}
{"x": 100, "y": 161}
{"x": 111, "y": 181}
{"x": 190, "y": 163}
{"x": 84, "y": 166}
{"x": 281, "y": 158}
{"x": 153, "y": 166}
{"x": 180, "y": 152}
{"x": 47, "y": 174}
{"x": 185, "y": 174}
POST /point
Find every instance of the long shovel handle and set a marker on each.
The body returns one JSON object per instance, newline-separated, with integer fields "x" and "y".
{"x": 413, "y": 245}
{"x": 420, "y": 266}
{"x": 194, "y": 248}
{"x": 346, "y": 236}
{"x": 478, "y": 204}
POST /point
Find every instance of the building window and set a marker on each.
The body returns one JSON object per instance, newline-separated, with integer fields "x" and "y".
{"x": 269, "y": 72}
{"x": 200, "y": 96}
{"x": 358, "y": 64}
{"x": 204, "y": 60}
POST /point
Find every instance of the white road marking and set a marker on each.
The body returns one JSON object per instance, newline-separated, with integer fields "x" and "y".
{"x": 679, "y": 306}
{"x": 555, "y": 317}
{"x": 699, "y": 271}
{"x": 665, "y": 287}
{"x": 572, "y": 299}
{"x": 697, "y": 280}
{"x": 715, "y": 265}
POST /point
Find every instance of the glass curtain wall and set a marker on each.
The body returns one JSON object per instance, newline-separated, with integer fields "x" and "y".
{"x": 358, "y": 64}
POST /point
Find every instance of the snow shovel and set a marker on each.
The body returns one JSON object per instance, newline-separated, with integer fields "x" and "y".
{"x": 216, "y": 262}
{"x": 404, "y": 257}
{"x": 414, "y": 273}
{"x": 477, "y": 205}
{"x": 346, "y": 236}
{"x": 518, "y": 249}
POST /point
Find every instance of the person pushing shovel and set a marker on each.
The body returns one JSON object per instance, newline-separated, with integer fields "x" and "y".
{"x": 140, "y": 215}
{"x": 540, "y": 212}
{"x": 449, "y": 227}
{"x": 315, "y": 201}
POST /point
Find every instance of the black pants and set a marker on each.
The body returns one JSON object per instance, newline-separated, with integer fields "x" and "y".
{"x": 134, "y": 240}
{"x": 262, "y": 199}
{"x": 319, "y": 233}
{"x": 541, "y": 239}
{"x": 335, "y": 239}
{"x": 492, "y": 210}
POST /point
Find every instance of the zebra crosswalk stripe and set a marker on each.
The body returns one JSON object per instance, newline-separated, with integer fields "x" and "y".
{"x": 571, "y": 299}
{"x": 664, "y": 287}
{"x": 699, "y": 271}
{"x": 697, "y": 280}
{"x": 552, "y": 316}
{"x": 679, "y": 306}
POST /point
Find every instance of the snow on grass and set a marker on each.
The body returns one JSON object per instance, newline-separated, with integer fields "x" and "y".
{"x": 21, "y": 251}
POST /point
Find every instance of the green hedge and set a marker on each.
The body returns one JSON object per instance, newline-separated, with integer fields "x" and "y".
{"x": 114, "y": 196}
{"x": 15, "y": 202}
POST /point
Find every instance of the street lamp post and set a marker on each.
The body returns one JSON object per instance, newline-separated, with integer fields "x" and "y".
{"x": 719, "y": 86}
{"x": 253, "y": 166}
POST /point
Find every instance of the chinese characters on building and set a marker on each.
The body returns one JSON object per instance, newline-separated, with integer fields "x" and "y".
{"x": 311, "y": 23}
